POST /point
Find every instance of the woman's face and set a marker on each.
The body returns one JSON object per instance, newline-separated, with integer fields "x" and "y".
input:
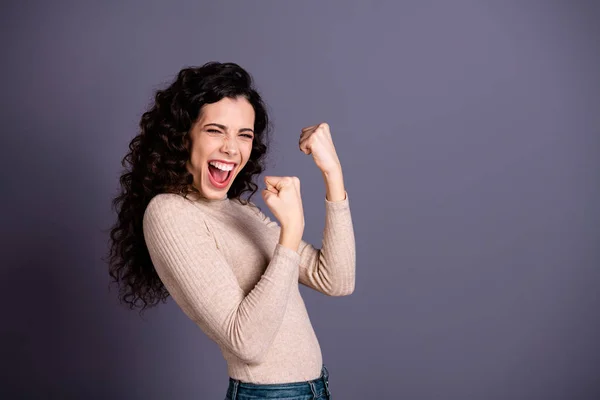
{"x": 223, "y": 134}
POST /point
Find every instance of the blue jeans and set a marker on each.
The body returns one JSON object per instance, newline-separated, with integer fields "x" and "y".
{"x": 317, "y": 389}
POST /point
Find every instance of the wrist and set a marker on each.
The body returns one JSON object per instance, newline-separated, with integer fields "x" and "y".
{"x": 333, "y": 174}
{"x": 292, "y": 230}
{"x": 290, "y": 236}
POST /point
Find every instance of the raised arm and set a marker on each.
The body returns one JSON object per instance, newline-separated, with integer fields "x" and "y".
{"x": 331, "y": 268}
{"x": 204, "y": 286}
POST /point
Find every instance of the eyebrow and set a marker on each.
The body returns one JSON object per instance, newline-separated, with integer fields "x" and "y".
{"x": 225, "y": 128}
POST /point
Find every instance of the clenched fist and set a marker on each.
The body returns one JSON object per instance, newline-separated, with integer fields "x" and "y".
{"x": 284, "y": 199}
{"x": 316, "y": 140}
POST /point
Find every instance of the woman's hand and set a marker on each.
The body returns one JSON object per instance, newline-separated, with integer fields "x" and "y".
{"x": 316, "y": 140}
{"x": 284, "y": 199}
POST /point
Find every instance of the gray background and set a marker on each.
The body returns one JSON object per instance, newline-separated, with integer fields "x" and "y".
{"x": 468, "y": 132}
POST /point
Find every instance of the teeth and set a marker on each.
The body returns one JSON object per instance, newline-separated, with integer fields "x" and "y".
{"x": 221, "y": 166}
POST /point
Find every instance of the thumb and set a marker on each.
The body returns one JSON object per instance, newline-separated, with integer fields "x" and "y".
{"x": 272, "y": 189}
{"x": 273, "y": 180}
{"x": 267, "y": 195}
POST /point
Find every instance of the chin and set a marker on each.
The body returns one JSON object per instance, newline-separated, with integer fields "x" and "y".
{"x": 213, "y": 193}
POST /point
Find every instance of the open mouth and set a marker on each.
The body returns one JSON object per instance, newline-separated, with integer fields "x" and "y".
{"x": 218, "y": 177}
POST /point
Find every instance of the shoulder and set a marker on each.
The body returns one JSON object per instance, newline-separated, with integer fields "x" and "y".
{"x": 165, "y": 208}
{"x": 166, "y": 202}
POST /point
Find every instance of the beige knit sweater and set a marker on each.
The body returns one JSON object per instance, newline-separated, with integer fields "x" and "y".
{"x": 222, "y": 263}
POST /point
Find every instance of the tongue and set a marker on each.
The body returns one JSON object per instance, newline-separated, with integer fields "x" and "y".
{"x": 217, "y": 174}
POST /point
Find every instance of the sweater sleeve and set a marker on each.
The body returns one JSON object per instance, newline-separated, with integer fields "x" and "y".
{"x": 202, "y": 283}
{"x": 330, "y": 269}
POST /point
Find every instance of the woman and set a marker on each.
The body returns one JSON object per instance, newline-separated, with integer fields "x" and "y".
{"x": 183, "y": 230}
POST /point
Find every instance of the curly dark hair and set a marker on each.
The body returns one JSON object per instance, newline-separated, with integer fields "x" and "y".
{"x": 156, "y": 163}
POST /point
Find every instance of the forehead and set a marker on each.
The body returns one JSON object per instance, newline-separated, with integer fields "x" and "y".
{"x": 228, "y": 112}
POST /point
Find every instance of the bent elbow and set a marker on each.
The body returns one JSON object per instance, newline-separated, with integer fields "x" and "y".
{"x": 250, "y": 355}
{"x": 346, "y": 290}
{"x": 248, "y": 351}
{"x": 344, "y": 293}
{"x": 238, "y": 345}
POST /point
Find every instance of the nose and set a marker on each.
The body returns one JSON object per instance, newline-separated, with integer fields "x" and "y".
{"x": 230, "y": 146}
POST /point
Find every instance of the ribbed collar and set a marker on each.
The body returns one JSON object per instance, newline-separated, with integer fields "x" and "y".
{"x": 216, "y": 204}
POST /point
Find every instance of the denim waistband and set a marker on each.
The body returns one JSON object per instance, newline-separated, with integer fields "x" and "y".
{"x": 316, "y": 387}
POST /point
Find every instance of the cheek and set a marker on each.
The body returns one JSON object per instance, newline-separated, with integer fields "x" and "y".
{"x": 197, "y": 161}
{"x": 200, "y": 152}
{"x": 195, "y": 158}
{"x": 246, "y": 153}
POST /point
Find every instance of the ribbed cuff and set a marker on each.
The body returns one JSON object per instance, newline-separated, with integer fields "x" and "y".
{"x": 286, "y": 253}
{"x": 338, "y": 204}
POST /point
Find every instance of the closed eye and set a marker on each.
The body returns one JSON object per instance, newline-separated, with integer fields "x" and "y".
{"x": 249, "y": 136}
